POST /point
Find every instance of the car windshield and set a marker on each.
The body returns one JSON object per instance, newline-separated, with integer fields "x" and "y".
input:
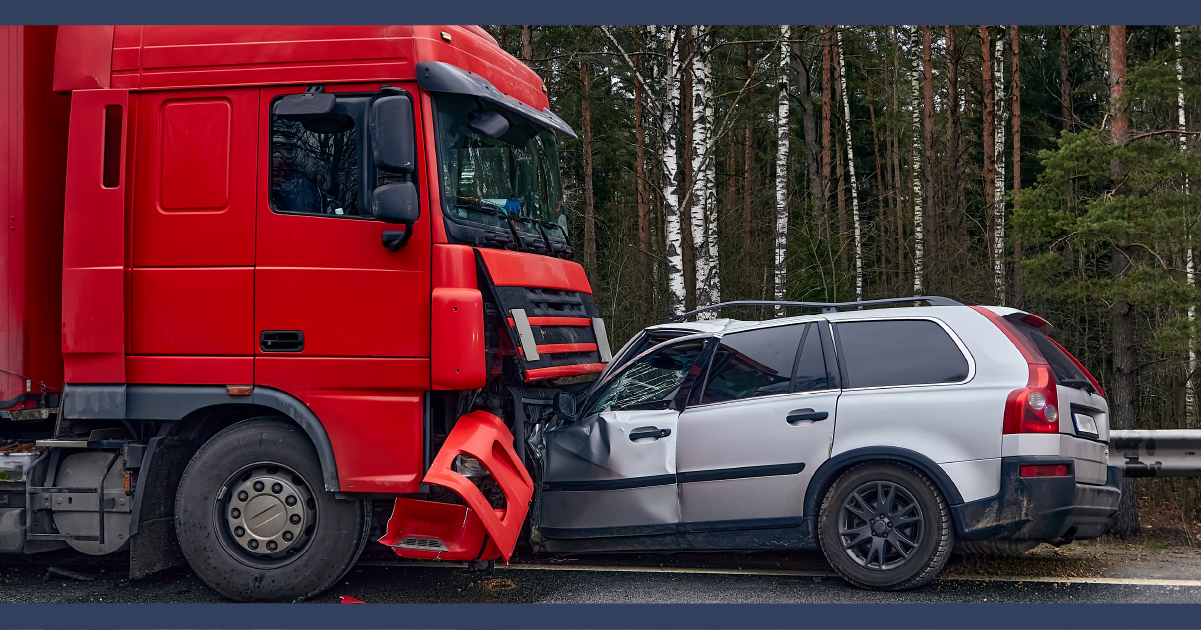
{"x": 495, "y": 183}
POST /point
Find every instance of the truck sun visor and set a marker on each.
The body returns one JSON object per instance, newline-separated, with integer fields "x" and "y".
{"x": 438, "y": 76}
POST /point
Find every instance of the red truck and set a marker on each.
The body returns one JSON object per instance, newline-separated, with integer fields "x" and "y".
{"x": 271, "y": 293}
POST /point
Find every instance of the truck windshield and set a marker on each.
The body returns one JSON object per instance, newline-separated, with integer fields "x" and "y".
{"x": 493, "y": 187}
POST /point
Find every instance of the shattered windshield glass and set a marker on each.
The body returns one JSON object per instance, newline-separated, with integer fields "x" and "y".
{"x": 512, "y": 180}
{"x": 650, "y": 382}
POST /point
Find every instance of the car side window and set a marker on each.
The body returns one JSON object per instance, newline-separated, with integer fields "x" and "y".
{"x": 753, "y": 363}
{"x": 651, "y": 382}
{"x": 810, "y": 373}
{"x": 316, "y": 164}
{"x": 882, "y": 353}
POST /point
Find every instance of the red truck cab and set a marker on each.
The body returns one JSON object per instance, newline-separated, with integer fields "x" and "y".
{"x": 263, "y": 282}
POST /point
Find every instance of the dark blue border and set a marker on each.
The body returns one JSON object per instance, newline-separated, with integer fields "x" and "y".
{"x": 609, "y": 12}
{"x": 635, "y": 616}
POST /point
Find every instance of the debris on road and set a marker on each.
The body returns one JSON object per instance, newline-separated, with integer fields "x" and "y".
{"x": 74, "y": 575}
{"x": 346, "y": 599}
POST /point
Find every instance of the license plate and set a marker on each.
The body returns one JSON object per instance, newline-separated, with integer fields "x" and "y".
{"x": 1085, "y": 423}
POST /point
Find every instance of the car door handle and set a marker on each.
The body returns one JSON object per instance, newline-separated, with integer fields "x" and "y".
{"x": 800, "y": 415}
{"x": 648, "y": 432}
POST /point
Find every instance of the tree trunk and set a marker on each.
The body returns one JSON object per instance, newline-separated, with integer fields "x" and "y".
{"x": 809, "y": 126}
{"x": 748, "y": 185}
{"x": 527, "y": 43}
{"x": 1016, "y": 107}
{"x": 999, "y": 180}
{"x": 702, "y": 180}
{"x": 1122, "y": 399}
{"x": 986, "y": 135}
{"x": 933, "y": 212}
{"x": 956, "y": 215}
{"x": 673, "y": 243}
{"x": 1190, "y": 397}
{"x": 586, "y": 146}
{"x": 640, "y": 187}
{"x": 687, "y": 202}
{"x": 846, "y": 110}
{"x": 827, "y": 88}
{"x": 899, "y": 215}
{"x": 1065, "y": 86}
{"x": 782, "y": 172}
{"x": 880, "y": 193}
{"x": 916, "y": 166}
{"x": 840, "y": 173}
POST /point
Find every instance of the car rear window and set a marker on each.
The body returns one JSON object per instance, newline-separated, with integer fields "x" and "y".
{"x": 810, "y": 373}
{"x": 883, "y": 353}
{"x": 753, "y": 363}
{"x": 1062, "y": 365}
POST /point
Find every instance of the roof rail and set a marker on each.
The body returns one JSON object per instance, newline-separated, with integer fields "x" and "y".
{"x": 826, "y": 307}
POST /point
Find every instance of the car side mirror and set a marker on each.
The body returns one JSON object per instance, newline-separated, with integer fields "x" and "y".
{"x": 393, "y": 144}
{"x": 396, "y": 202}
{"x": 565, "y": 406}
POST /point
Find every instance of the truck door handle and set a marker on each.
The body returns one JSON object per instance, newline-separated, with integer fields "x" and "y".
{"x": 800, "y": 415}
{"x": 281, "y": 341}
{"x": 648, "y": 432}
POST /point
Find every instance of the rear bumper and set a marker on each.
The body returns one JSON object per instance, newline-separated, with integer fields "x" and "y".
{"x": 1041, "y": 508}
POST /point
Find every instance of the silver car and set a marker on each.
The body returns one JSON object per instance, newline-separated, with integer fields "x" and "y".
{"x": 884, "y": 437}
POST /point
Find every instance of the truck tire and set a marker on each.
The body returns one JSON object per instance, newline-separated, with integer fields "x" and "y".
{"x": 885, "y": 526}
{"x": 254, "y": 521}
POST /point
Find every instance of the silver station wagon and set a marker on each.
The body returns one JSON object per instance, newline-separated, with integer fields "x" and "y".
{"x": 886, "y": 437}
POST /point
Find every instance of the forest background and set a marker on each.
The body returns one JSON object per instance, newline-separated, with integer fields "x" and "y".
{"x": 1047, "y": 168}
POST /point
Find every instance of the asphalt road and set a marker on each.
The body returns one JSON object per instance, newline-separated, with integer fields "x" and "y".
{"x": 1082, "y": 575}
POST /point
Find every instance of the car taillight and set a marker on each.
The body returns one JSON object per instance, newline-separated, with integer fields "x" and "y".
{"x": 1044, "y": 470}
{"x": 1034, "y": 408}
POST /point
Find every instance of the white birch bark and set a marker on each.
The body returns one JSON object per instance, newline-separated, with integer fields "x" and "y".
{"x": 712, "y": 273}
{"x": 1190, "y": 395}
{"x": 668, "y": 157}
{"x": 782, "y": 172}
{"x": 998, "y": 68}
{"x": 702, "y": 113}
{"x": 846, "y": 110}
{"x": 919, "y": 231}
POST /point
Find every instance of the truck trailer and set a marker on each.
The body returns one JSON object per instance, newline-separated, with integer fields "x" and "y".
{"x": 271, "y": 293}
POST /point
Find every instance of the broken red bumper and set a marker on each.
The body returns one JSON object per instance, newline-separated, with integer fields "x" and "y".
{"x": 444, "y": 531}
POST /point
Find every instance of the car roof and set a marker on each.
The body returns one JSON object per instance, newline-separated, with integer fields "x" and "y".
{"x": 726, "y": 325}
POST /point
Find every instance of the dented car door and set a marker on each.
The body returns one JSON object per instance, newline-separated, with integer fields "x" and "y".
{"x": 613, "y": 471}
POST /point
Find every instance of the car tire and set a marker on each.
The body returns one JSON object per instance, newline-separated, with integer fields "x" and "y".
{"x": 254, "y": 520}
{"x": 885, "y": 526}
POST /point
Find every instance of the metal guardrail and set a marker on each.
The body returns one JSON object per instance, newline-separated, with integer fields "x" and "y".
{"x": 1163, "y": 453}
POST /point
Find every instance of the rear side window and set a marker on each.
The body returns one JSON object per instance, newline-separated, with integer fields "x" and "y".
{"x": 810, "y": 373}
{"x": 899, "y": 352}
{"x": 753, "y": 363}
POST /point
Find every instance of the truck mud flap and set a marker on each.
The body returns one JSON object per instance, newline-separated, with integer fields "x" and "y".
{"x": 429, "y": 530}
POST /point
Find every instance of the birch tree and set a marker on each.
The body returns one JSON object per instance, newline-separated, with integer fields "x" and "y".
{"x": 998, "y": 71}
{"x": 703, "y": 196}
{"x": 919, "y": 242}
{"x": 782, "y": 134}
{"x": 846, "y": 109}
{"x": 1190, "y": 413}
{"x": 667, "y": 158}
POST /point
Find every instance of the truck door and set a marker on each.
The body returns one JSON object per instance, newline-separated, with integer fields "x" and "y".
{"x": 341, "y": 320}
{"x": 613, "y": 472}
{"x": 763, "y": 424}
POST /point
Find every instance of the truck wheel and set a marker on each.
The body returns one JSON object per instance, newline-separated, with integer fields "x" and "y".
{"x": 885, "y": 526}
{"x": 254, "y": 521}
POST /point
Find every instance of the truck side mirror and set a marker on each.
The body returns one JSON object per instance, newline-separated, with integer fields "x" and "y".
{"x": 565, "y": 406}
{"x": 393, "y": 144}
{"x": 396, "y": 202}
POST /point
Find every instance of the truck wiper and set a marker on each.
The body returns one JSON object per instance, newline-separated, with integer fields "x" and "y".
{"x": 1078, "y": 383}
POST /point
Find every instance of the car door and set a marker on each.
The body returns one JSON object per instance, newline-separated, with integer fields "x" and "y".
{"x": 758, "y": 430}
{"x": 613, "y": 472}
